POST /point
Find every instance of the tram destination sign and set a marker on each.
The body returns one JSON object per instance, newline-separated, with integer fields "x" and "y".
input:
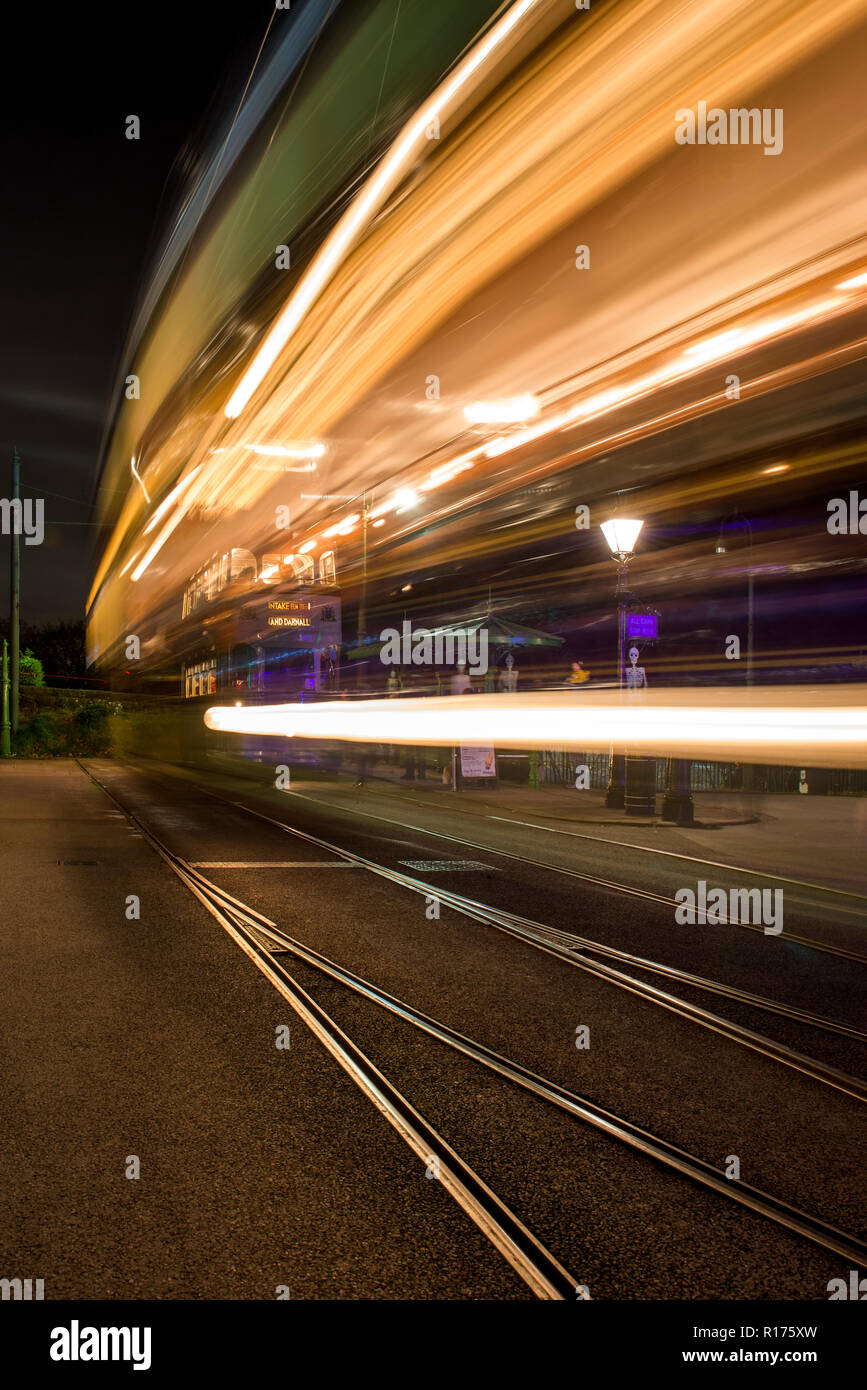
{"x": 289, "y": 612}
{"x": 290, "y": 620}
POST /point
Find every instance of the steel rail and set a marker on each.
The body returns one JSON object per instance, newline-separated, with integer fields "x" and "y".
{"x": 608, "y": 885}
{"x": 512, "y": 926}
{"x": 539, "y": 1269}
{"x": 248, "y": 927}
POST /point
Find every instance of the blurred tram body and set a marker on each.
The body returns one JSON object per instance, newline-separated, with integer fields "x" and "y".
{"x": 230, "y": 606}
{"x": 270, "y": 501}
{"x": 259, "y": 626}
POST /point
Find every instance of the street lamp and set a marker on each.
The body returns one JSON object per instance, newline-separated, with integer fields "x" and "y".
{"x": 621, "y": 535}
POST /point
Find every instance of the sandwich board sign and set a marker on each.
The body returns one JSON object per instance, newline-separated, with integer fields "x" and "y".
{"x": 478, "y": 762}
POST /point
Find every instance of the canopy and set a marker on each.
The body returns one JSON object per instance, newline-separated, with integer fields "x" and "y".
{"x": 501, "y": 633}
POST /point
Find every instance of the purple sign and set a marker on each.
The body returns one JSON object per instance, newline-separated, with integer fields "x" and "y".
{"x": 641, "y": 625}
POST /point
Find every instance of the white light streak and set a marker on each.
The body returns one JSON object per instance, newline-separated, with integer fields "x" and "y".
{"x": 295, "y": 450}
{"x": 138, "y": 478}
{"x": 167, "y": 501}
{"x": 854, "y": 284}
{"x": 822, "y": 727}
{"x": 507, "y": 412}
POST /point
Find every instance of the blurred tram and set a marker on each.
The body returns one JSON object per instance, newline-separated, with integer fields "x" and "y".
{"x": 368, "y": 381}
{"x": 258, "y": 613}
{"x": 258, "y": 626}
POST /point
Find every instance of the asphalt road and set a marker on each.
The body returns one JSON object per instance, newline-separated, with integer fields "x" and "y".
{"x": 262, "y": 1167}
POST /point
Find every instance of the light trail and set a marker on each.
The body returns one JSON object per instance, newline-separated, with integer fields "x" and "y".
{"x": 783, "y": 725}
{"x": 382, "y": 182}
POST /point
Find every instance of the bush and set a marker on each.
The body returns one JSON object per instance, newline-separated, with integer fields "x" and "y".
{"x": 64, "y": 732}
{"x": 88, "y": 730}
{"x": 30, "y": 669}
{"x": 44, "y": 736}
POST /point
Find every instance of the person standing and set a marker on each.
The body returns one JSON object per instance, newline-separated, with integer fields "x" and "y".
{"x": 509, "y": 675}
{"x": 460, "y": 683}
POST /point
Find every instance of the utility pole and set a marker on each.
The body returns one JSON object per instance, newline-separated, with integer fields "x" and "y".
{"x": 15, "y": 591}
{"x": 362, "y": 597}
{"x": 5, "y": 748}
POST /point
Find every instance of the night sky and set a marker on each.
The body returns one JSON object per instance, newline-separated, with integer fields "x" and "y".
{"x": 82, "y": 211}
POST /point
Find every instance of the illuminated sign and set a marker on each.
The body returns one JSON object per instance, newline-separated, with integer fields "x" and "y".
{"x": 200, "y": 679}
{"x": 292, "y": 608}
{"x": 642, "y": 625}
{"x": 271, "y": 620}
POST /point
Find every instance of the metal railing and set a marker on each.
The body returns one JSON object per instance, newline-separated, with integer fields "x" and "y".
{"x": 556, "y": 767}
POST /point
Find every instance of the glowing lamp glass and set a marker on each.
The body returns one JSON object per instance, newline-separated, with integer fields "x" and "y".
{"x": 621, "y": 535}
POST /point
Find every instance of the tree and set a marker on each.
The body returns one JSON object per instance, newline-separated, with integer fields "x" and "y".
{"x": 59, "y": 646}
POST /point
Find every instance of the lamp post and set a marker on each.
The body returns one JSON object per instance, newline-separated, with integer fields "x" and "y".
{"x": 362, "y": 597}
{"x": 621, "y": 535}
{"x": 720, "y": 549}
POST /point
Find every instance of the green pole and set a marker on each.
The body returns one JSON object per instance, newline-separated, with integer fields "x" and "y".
{"x": 5, "y": 749}
{"x": 15, "y": 591}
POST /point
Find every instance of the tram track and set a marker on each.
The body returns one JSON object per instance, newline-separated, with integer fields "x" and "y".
{"x": 264, "y": 941}
{"x": 611, "y": 885}
{"x": 576, "y": 951}
{"x": 531, "y": 1260}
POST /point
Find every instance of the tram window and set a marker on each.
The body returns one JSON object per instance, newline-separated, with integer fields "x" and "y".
{"x": 302, "y": 567}
{"x": 200, "y": 679}
{"x": 270, "y": 570}
{"x": 242, "y": 565}
{"x": 327, "y": 568}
